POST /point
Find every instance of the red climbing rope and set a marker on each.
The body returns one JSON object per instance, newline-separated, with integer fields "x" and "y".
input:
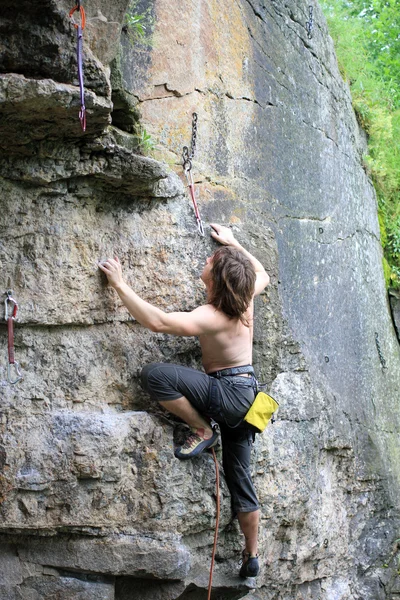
{"x": 79, "y": 58}
{"x": 10, "y": 317}
{"x": 216, "y": 524}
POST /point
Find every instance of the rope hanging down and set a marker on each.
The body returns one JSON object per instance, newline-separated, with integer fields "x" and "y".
{"x": 187, "y": 167}
{"x": 79, "y": 58}
{"x": 216, "y": 523}
{"x": 10, "y": 317}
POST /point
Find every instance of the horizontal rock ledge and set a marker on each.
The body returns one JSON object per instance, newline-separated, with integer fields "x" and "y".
{"x": 38, "y": 109}
{"x": 100, "y": 161}
{"x": 135, "y": 555}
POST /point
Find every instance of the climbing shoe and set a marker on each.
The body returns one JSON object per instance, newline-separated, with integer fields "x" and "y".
{"x": 250, "y": 566}
{"x": 195, "y": 444}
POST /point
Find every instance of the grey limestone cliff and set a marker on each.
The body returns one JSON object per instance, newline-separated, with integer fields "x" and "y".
{"x": 93, "y": 505}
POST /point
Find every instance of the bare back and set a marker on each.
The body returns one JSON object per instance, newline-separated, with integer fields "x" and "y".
{"x": 230, "y": 346}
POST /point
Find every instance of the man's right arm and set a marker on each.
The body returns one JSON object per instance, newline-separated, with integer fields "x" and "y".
{"x": 225, "y": 236}
{"x": 204, "y": 319}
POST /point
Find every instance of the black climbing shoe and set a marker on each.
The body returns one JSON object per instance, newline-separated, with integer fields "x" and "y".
{"x": 250, "y": 566}
{"x": 195, "y": 444}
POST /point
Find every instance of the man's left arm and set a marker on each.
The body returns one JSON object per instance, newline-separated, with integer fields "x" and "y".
{"x": 201, "y": 320}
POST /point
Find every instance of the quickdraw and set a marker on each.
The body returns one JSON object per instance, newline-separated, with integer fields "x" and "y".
{"x": 10, "y": 316}
{"x": 79, "y": 58}
{"x": 187, "y": 167}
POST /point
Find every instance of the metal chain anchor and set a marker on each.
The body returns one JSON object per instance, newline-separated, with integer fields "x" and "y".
{"x": 10, "y": 316}
{"x": 187, "y": 167}
{"x": 378, "y": 347}
{"x": 79, "y": 58}
{"x": 310, "y": 22}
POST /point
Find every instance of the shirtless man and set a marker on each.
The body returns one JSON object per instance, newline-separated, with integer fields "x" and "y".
{"x": 225, "y": 392}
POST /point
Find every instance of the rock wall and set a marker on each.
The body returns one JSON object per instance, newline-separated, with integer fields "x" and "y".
{"x": 93, "y": 503}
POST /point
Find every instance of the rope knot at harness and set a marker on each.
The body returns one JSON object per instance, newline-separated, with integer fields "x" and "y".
{"x": 10, "y": 316}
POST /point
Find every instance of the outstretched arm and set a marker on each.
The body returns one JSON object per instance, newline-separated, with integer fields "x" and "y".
{"x": 201, "y": 320}
{"x": 225, "y": 236}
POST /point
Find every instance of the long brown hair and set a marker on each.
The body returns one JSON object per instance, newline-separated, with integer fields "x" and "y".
{"x": 233, "y": 279}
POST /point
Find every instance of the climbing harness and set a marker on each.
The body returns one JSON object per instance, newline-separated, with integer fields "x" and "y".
{"x": 10, "y": 316}
{"x": 378, "y": 347}
{"x": 79, "y": 53}
{"x": 216, "y": 524}
{"x": 310, "y": 22}
{"x": 187, "y": 167}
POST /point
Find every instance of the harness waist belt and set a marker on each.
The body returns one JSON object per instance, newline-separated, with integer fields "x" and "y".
{"x": 232, "y": 371}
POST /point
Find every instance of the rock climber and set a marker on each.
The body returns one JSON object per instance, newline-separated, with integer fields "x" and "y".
{"x": 227, "y": 388}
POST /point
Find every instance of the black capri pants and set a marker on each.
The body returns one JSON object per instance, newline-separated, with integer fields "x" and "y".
{"x": 226, "y": 400}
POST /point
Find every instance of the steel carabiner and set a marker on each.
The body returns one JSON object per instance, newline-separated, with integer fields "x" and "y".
{"x": 10, "y": 317}
{"x": 15, "y": 364}
{"x": 8, "y": 299}
{"x": 189, "y": 177}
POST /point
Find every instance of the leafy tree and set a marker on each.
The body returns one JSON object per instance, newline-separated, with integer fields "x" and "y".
{"x": 366, "y": 34}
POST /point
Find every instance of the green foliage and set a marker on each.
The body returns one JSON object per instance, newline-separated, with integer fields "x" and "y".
{"x": 134, "y": 27}
{"x": 382, "y": 228}
{"x": 134, "y": 22}
{"x": 393, "y": 238}
{"x": 366, "y": 34}
{"x": 387, "y": 271}
{"x": 145, "y": 141}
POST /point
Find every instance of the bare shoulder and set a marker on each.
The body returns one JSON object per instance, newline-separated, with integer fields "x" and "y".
{"x": 212, "y": 319}
{"x": 211, "y": 314}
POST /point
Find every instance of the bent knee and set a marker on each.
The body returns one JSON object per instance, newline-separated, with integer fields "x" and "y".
{"x": 145, "y": 374}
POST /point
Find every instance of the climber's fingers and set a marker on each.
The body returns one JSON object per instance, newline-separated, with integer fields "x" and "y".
{"x": 222, "y": 234}
{"x": 112, "y": 268}
{"x": 105, "y": 266}
{"x": 216, "y": 227}
{"x": 111, "y": 264}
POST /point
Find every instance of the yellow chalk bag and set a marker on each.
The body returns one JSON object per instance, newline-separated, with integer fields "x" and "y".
{"x": 261, "y": 412}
